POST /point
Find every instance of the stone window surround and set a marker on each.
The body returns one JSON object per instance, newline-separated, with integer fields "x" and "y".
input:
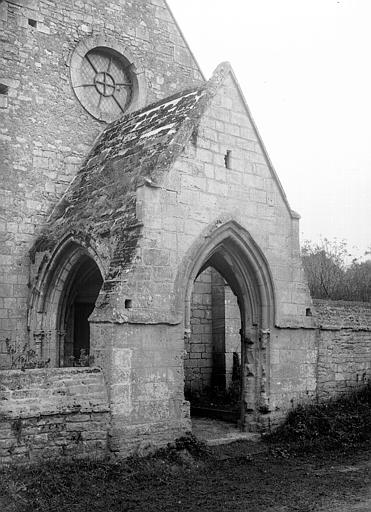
{"x": 139, "y": 89}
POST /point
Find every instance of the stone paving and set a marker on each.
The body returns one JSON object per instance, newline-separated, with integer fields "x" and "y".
{"x": 216, "y": 432}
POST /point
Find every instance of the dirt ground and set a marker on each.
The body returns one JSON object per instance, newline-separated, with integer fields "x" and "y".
{"x": 241, "y": 476}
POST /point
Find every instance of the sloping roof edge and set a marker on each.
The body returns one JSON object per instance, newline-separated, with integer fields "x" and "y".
{"x": 292, "y": 213}
{"x": 210, "y": 89}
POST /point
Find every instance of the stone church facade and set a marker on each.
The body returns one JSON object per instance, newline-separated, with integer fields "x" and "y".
{"x": 144, "y": 230}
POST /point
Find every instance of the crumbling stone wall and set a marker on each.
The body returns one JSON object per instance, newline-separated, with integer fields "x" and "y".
{"x": 49, "y": 413}
{"x": 344, "y": 346}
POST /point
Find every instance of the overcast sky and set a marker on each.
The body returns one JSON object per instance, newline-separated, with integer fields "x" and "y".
{"x": 305, "y": 69}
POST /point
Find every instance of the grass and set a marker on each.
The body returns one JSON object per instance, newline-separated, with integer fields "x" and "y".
{"x": 173, "y": 481}
{"x": 332, "y": 438}
{"x": 97, "y": 485}
{"x": 339, "y": 423}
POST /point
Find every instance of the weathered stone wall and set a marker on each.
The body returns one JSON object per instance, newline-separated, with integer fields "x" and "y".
{"x": 292, "y": 368}
{"x": 198, "y": 361}
{"x": 218, "y": 368}
{"x": 344, "y": 346}
{"x": 49, "y": 413}
{"x": 324, "y": 362}
{"x": 145, "y": 374}
{"x": 342, "y": 314}
{"x": 215, "y": 334}
{"x": 232, "y": 335}
{"x": 45, "y": 133}
{"x": 205, "y": 191}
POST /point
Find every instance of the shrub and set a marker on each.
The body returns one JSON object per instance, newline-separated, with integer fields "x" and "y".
{"x": 337, "y": 423}
{"x": 188, "y": 443}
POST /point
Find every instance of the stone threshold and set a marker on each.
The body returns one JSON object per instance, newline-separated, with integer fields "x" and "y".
{"x": 214, "y": 432}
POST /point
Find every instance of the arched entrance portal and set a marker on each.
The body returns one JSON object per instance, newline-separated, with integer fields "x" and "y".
{"x": 239, "y": 265}
{"x": 78, "y": 301}
{"x": 61, "y": 302}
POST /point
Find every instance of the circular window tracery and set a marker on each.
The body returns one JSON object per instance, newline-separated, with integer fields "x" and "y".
{"x": 104, "y": 80}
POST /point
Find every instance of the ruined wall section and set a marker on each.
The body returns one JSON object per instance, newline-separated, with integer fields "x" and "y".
{"x": 45, "y": 133}
{"x": 344, "y": 350}
{"x": 47, "y": 414}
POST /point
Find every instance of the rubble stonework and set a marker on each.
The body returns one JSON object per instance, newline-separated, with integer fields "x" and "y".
{"x": 46, "y": 413}
{"x": 344, "y": 351}
{"x": 109, "y": 227}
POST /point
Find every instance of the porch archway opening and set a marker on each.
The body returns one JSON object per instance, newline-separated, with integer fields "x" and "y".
{"x": 212, "y": 364}
{"x": 62, "y": 301}
{"x": 78, "y": 300}
{"x": 229, "y": 310}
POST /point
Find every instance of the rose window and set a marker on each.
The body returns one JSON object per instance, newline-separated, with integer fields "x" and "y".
{"x": 105, "y": 84}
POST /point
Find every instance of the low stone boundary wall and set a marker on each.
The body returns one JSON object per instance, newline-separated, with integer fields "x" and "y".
{"x": 54, "y": 412}
{"x": 341, "y": 314}
{"x": 344, "y": 346}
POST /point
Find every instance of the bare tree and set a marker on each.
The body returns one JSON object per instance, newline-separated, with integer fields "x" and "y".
{"x": 330, "y": 276}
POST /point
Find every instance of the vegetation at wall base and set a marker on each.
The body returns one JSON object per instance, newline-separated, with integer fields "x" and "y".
{"x": 230, "y": 478}
{"x": 185, "y": 445}
{"x": 342, "y": 423}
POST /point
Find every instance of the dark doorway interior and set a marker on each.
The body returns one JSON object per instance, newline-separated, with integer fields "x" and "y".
{"x": 81, "y": 295}
{"x": 81, "y": 334}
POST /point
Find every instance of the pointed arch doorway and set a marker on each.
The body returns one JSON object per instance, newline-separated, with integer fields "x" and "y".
{"x": 61, "y": 303}
{"x": 231, "y": 257}
{"x": 77, "y": 303}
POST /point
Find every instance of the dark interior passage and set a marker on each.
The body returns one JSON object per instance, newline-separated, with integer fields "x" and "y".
{"x": 82, "y": 293}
